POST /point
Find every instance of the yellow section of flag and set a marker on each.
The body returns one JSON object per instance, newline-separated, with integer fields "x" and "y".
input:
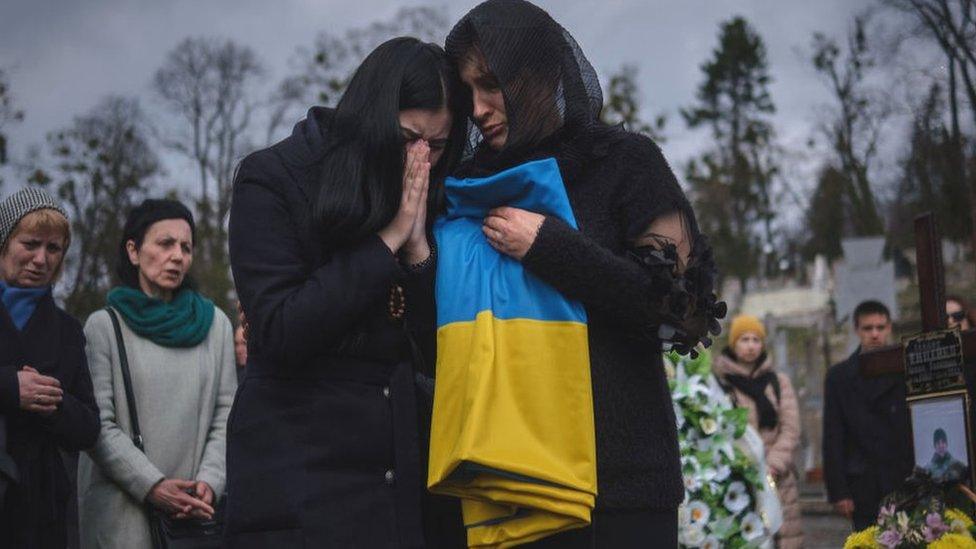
{"x": 512, "y": 432}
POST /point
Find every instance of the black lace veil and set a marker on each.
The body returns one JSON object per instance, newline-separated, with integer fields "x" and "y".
{"x": 553, "y": 102}
{"x": 551, "y": 91}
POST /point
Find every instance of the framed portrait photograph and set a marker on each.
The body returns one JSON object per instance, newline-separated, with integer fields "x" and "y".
{"x": 940, "y": 433}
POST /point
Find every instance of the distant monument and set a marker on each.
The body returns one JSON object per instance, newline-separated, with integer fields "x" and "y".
{"x": 864, "y": 274}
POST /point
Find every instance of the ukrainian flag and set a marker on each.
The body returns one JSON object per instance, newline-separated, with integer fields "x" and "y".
{"x": 512, "y": 432}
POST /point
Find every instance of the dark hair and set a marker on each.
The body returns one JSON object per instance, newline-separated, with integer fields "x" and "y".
{"x": 970, "y": 312}
{"x": 361, "y": 181}
{"x": 137, "y": 224}
{"x": 870, "y": 307}
{"x": 938, "y": 435}
{"x": 552, "y": 95}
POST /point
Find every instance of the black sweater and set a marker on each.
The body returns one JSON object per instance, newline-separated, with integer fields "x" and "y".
{"x": 615, "y": 196}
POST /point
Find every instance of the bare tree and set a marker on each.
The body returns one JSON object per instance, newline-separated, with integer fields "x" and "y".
{"x": 8, "y": 114}
{"x": 100, "y": 166}
{"x": 951, "y": 24}
{"x": 323, "y": 71}
{"x": 931, "y": 180}
{"x": 622, "y": 105}
{"x": 210, "y": 86}
{"x": 855, "y": 130}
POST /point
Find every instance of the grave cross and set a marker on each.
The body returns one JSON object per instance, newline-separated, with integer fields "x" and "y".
{"x": 931, "y": 293}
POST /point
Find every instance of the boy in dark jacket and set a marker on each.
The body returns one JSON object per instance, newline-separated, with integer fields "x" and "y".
{"x": 867, "y": 450}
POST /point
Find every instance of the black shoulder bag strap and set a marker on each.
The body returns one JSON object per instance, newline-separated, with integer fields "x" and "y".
{"x": 130, "y": 398}
{"x": 163, "y": 530}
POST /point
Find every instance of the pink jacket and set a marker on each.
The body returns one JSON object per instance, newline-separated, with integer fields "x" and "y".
{"x": 782, "y": 440}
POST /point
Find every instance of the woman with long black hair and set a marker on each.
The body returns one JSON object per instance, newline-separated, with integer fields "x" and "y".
{"x": 334, "y": 270}
{"x": 637, "y": 263}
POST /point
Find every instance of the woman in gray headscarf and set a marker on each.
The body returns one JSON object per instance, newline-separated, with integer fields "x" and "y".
{"x": 46, "y": 394}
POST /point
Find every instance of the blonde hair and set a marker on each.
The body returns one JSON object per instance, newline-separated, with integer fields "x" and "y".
{"x": 45, "y": 220}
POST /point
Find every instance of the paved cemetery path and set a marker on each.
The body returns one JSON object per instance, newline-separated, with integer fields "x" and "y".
{"x": 822, "y": 529}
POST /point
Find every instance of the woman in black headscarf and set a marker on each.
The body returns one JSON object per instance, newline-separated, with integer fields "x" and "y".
{"x": 638, "y": 263}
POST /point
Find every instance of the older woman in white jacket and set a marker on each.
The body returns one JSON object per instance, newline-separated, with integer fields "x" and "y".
{"x": 180, "y": 352}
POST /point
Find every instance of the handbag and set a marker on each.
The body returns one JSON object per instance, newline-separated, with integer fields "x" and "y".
{"x": 166, "y": 532}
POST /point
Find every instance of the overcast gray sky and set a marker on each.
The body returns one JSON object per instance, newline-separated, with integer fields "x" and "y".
{"x": 65, "y": 55}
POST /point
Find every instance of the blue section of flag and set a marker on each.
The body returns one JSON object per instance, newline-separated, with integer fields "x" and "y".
{"x": 472, "y": 276}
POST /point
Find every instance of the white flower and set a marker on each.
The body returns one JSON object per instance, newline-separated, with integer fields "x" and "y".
{"x": 752, "y": 527}
{"x": 682, "y": 389}
{"x": 737, "y": 486}
{"x": 680, "y": 374}
{"x": 696, "y": 387}
{"x": 709, "y": 426}
{"x": 902, "y": 521}
{"x": 704, "y": 445}
{"x": 708, "y": 475}
{"x": 711, "y": 542}
{"x": 724, "y": 446}
{"x": 722, "y": 473}
{"x": 736, "y": 499}
{"x": 692, "y": 483}
{"x": 728, "y": 429}
{"x": 722, "y": 528}
{"x": 679, "y": 416}
{"x": 692, "y": 536}
{"x": 669, "y": 369}
{"x": 684, "y": 516}
{"x": 699, "y": 513}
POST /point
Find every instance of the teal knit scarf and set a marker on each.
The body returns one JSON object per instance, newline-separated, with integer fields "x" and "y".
{"x": 183, "y": 322}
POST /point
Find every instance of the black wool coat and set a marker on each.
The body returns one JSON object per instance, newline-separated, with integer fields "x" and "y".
{"x": 867, "y": 446}
{"x": 323, "y": 447}
{"x": 35, "y": 507}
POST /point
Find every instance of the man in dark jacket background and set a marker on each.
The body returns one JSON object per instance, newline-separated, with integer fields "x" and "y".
{"x": 867, "y": 449}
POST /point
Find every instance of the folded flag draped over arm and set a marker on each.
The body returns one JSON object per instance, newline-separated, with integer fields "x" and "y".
{"x": 512, "y": 431}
